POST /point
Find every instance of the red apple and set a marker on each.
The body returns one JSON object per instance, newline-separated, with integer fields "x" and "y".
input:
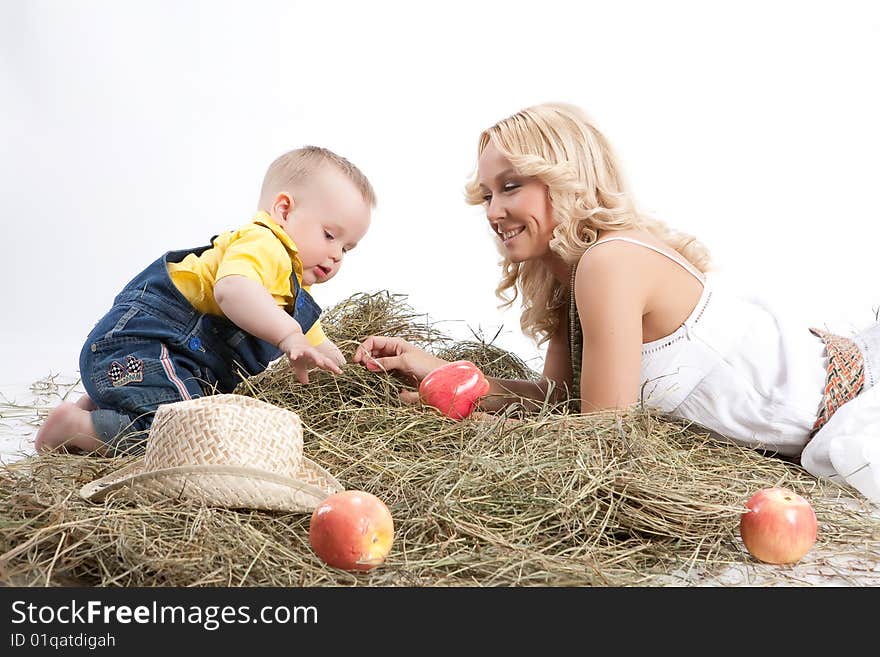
{"x": 779, "y": 526}
{"x": 352, "y": 530}
{"x": 454, "y": 389}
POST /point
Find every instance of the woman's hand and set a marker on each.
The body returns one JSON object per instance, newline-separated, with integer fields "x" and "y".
{"x": 395, "y": 355}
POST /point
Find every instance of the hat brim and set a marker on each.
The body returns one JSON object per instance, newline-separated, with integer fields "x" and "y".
{"x": 221, "y": 485}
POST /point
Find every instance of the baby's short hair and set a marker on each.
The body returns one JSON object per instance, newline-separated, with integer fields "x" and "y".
{"x": 299, "y": 164}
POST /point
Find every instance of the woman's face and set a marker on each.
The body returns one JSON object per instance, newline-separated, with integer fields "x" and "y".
{"x": 517, "y": 207}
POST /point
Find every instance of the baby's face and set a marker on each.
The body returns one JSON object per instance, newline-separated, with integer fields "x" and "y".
{"x": 329, "y": 218}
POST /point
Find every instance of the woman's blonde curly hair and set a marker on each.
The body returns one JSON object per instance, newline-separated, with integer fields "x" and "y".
{"x": 557, "y": 144}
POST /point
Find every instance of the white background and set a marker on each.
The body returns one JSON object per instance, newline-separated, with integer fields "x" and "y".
{"x": 131, "y": 128}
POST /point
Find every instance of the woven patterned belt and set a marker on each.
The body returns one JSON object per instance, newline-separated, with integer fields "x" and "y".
{"x": 845, "y": 378}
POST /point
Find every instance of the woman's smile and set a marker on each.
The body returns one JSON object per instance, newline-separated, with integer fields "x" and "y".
{"x": 507, "y": 236}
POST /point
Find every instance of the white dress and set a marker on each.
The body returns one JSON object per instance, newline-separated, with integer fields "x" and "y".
{"x": 739, "y": 369}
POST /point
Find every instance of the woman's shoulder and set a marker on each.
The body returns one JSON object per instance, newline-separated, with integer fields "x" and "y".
{"x": 635, "y": 251}
{"x": 632, "y": 272}
{"x": 617, "y": 265}
{"x": 620, "y": 250}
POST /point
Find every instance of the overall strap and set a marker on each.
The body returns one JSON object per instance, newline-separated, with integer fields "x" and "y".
{"x": 294, "y": 282}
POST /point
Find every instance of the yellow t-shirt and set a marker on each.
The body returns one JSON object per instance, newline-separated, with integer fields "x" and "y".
{"x": 269, "y": 258}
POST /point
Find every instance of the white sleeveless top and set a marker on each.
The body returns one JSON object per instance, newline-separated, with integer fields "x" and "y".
{"x": 737, "y": 368}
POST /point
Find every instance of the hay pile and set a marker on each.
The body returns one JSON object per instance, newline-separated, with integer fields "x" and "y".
{"x": 546, "y": 499}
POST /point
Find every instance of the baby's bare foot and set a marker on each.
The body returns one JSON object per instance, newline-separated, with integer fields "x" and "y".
{"x": 68, "y": 425}
{"x": 85, "y": 402}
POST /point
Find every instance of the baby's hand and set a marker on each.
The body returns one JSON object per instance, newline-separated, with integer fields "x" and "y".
{"x": 304, "y": 357}
{"x": 329, "y": 349}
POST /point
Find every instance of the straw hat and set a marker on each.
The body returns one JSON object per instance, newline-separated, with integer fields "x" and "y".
{"x": 224, "y": 450}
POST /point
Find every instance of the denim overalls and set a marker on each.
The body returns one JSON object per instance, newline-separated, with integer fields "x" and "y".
{"x": 153, "y": 347}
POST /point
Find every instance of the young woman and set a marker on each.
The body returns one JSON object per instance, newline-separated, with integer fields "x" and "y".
{"x": 632, "y": 317}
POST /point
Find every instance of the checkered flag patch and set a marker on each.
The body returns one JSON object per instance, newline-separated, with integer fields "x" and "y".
{"x": 132, "y": 372}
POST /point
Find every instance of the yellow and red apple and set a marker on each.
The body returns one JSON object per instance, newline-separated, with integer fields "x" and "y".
{"x": 779, "y": 526}
{"x": 352, "y": 530}
{"x": 454, "y": 389}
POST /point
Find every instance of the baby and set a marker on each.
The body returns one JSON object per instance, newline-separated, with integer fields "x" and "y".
{"x": 197, "y": 321}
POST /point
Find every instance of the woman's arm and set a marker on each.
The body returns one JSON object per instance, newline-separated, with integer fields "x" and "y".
{"x": 556, "y": 379}
{"x": 412, "y": 364}
{"x": 612, "y": 288}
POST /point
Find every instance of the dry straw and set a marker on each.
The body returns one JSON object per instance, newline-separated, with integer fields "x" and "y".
{"x": 541, "y": 499}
